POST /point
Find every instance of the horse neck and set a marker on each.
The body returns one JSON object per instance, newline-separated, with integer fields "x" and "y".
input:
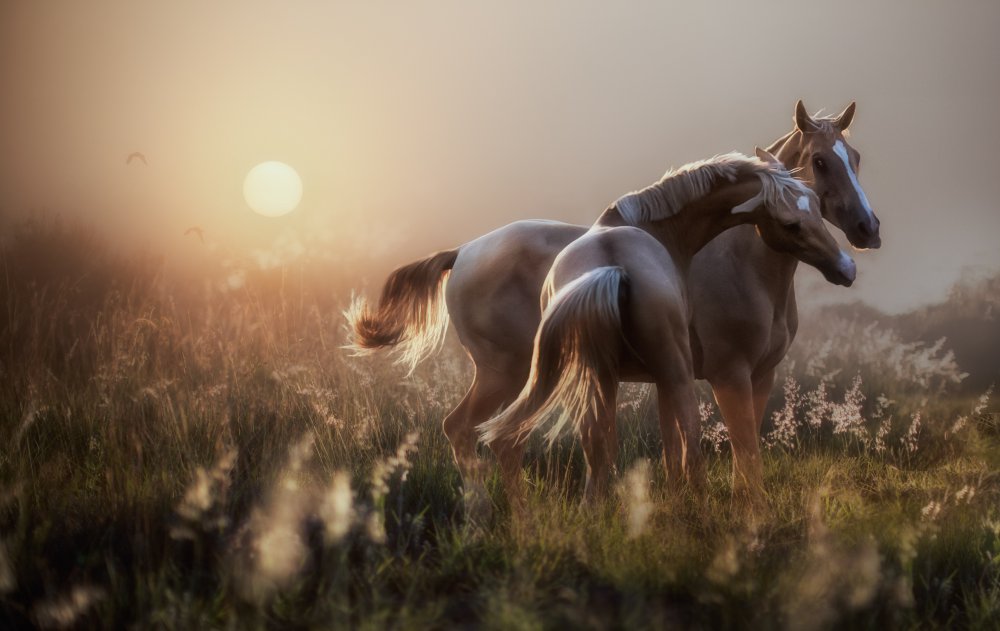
{"x": 786, "y": 148}
{"x": 693, "y": 226}
{"x": 777, "y": 266}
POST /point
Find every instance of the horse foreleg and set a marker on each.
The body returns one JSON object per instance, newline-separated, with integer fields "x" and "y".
{"x": 762, "y": 386}
{"x": 735, "y": 399}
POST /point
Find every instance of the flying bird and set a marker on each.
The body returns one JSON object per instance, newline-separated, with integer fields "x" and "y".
{"x": 196, "y": 230}
{"x": 135, "y": 155}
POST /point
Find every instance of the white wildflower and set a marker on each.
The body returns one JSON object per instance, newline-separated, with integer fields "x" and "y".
{"x": 63, "y": 612}
{"x": 846, "y": 417}
{"x": 910, "y": 439}
{"x": 786, "y": 425}
{"x": 337, "y": 508}
{"x": 634, "y": 492}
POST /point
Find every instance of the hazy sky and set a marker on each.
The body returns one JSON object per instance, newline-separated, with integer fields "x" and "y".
{"x": 429, "y": 123}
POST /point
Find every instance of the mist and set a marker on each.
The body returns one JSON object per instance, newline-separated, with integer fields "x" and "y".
{"x": 418, "y": 128}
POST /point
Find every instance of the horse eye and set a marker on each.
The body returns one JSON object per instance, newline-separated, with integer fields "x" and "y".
{"x": 819, "y": 163}
{"x": 793, "y": 227}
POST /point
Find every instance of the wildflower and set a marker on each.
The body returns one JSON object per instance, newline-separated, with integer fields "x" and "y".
{"x": 337, "y": 508}
{"x": 635, "y": 495}
{"x": 63, "y": 612}
{"x": 273, "y": 550}
{"x": 201, "y": 507}
{"x": 705, "y": 410}
{"x": 882, "y": 405}
{"x": 965, "y": 493}
{"x": 931, "y": 511}
{"x": 909, "y": 440}
{"x": 632, "y": 396}
{"x": 785, "y": 422}
{"x": 977, "y": 410}
{"x": 715, "y": 434}
{"x": 726, "y": 564}
{"x": 817, "y": 360}
{"x": 846, "y": 417}
{"x": 882, "y": 351}
{"x": 982, "y": 402}
{"x": 817, "y": 406}
{"x": 883, "y": 433}
{"x": 383, "y": 471}
{"x": 279, "y": 547}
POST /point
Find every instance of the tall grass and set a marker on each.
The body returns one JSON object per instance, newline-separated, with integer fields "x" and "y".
{"x": 193, "y": 451}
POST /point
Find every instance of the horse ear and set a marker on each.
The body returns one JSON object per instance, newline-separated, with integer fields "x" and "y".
{"x": 766, "y": 156}
{"x": 843, "y": 120}
{"x": 803, "y": 122}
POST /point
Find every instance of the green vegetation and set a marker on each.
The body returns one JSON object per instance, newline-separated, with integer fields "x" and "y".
{"x": 183, "y": 451}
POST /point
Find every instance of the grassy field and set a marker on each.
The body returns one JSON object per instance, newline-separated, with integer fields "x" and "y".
{"x": 196, "y": 451}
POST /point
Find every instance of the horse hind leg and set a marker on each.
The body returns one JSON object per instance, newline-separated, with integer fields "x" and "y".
{"x": 599, "y": 436}
{"x": 681, "y": 431}
{"x": 486, "y": 395}
{"x": 673, "y": 439}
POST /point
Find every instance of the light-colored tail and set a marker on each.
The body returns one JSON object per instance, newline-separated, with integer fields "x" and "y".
{"x": 575, "y": 358}
{"x": 411, "y": 314}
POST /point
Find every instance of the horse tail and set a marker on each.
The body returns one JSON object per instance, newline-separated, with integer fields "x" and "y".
{"x": 411, "y": 313}
{"x": 575, "y": 358}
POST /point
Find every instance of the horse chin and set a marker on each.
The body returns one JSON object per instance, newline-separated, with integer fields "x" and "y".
{"x": 838, "y": 276}
{"x": 861, "y": 244}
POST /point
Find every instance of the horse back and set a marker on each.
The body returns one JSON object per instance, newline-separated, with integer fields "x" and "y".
{"x": 494, "y": 288}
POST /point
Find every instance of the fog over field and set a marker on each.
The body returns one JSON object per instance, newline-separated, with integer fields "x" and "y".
{"x": 419, "y": 127}
{"x": 190, "y": 442}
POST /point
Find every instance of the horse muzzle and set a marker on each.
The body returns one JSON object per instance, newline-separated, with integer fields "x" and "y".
{"x": 865, "y": 235}
{"x": 843, "y": 273}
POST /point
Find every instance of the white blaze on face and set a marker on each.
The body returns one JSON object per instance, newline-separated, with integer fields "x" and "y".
{"x": 847, "y": 266}
{"x": 803, "y": 203}
{"x": 841, "y": 151}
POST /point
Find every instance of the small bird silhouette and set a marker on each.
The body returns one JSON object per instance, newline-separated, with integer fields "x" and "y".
{"x": 135, "y": 155}
{"x": 196, "y": 230}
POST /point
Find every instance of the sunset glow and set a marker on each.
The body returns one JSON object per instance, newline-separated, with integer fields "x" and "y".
{"x": 499, "y": 315}
{"x": 272, "y": 189}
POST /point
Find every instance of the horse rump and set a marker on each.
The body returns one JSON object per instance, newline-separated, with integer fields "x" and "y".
{"x": 575, "y": 358}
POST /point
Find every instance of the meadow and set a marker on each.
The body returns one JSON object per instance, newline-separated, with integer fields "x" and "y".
{"x": 193, "y": 449}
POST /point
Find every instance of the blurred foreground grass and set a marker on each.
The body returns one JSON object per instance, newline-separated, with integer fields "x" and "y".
{"x": 193, "y": 451}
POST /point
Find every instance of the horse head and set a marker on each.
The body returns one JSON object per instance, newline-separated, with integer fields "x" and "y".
{"x": 820, "y": 155}
{"x": 792, "y": 223}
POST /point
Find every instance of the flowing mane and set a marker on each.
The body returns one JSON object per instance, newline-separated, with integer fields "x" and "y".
{"x": 679, "y": 187}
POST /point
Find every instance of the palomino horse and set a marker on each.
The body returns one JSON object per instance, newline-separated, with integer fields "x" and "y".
{"x": 618, "y": 307}
{"x": 493, "y": 285}
{"x": 743, "y": 292}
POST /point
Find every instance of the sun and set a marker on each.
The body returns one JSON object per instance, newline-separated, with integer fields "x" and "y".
{"x": 272, "y": 189}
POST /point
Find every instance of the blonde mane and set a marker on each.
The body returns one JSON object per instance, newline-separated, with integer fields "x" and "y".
{"x": 679, "y": 187}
